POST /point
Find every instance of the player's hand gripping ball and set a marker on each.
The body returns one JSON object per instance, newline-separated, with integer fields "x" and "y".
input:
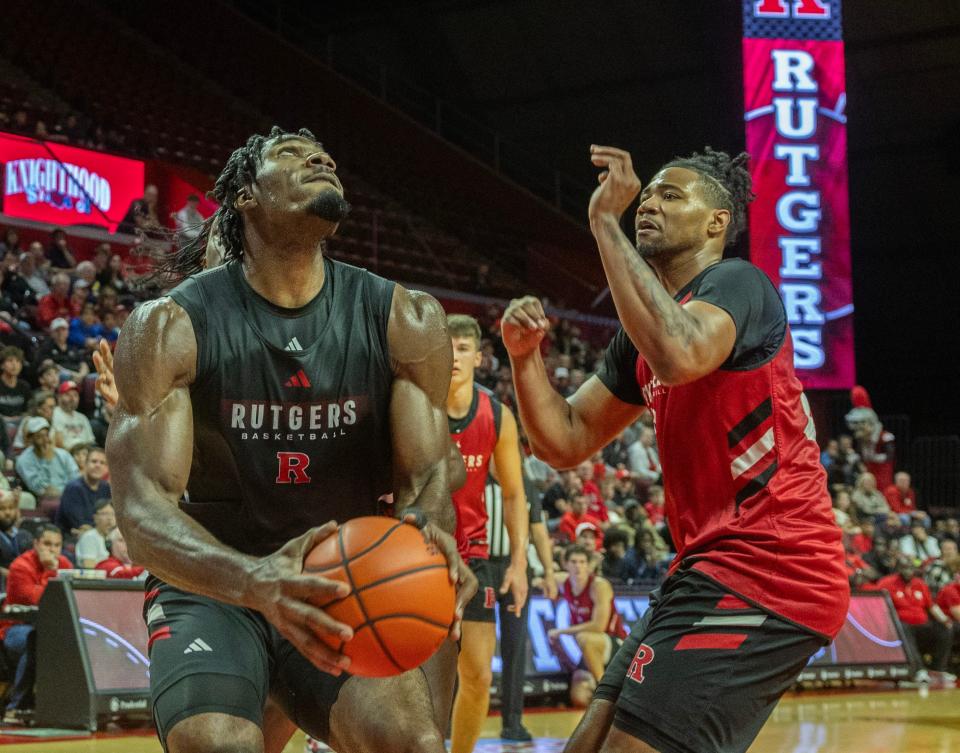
{"x": 401, "y": 603}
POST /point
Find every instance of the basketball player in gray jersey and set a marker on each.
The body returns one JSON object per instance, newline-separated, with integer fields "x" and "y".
{"x": 305, "y": 390}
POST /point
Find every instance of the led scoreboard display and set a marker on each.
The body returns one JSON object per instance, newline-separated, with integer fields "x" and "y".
{"x": 794, "y": 113}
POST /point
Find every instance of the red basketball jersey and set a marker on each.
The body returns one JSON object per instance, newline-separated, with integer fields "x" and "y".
{"x": 746, "y": 496}
{"x": 475, "y": 435}
{"x": 581, "y": 608}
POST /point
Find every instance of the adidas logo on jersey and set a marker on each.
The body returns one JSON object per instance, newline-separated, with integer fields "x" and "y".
{"x": 198, "y": 645}
{"x": 298, "y": 380}
{"x": 294, "y": 344}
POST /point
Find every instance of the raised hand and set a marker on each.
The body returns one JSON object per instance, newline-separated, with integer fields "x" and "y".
{"x": 619, "y": 184}
{"x": 523, "y": 325}
{"x": 106, "y": 384}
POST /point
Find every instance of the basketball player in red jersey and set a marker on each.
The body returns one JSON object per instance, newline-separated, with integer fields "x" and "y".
{"x": 227, "y": 561}
{"x": 758, "y": 584}
{"x": 594, "y": 621}
{"x": 483, "y": 430}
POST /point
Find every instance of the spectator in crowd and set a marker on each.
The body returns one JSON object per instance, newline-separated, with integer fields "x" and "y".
{"x": 938, "y": 573}
{"x": 31, "y": 275}
{"x": 78, "y": 503}
{"x": 590, "y": 537}
{"x": 615, "y": 566}
{"x": 116, "y": 276}
{"x": 87, "y": 271}
{"x": 56, "y": 304}
{"x": 86, "y": 330}
{"x": 616, "y": 453}
{"x": 868, "y": 499}
{"x": 14, "y": 541}
{"x": 902, "y": 498}
{"x": 100, "y": 423}
{"x": 843, "y": 510}
{"x": 118, "y": 563}
{"x": 44, "y": 468}
{"x": 847, "y": 466}
{"x": 541, "y": 474}
{"x": 59, "y": 253}
{"x": 884, "y": 556}
{"x": 72, "y": 361}
{"x": 644, "y": 459}
{"x": 20, "y": 123}
{"x": 48, "y": 377}
{"x": 101, "y": 265}
{"x": 42, "y": 404}
{"x": 594, "y": 621}
{"x": 79, "y": 296}
{"x": 951, "y": 529}
{"x": 556, "y": 499}
{"x": 142, "y": 214}
{"x": 92, "y": 543}
{"x": 70, "y": 423}
{"x": 648, "y": 558}
{"x": 16, "y": 289}
{"x": 918, "y": 544}
{"x": 40, "y": 131}
{"x": 11, "y": 241}
{"x": 15, "y": 393}
{"x": 70, "y": 129}
{"x": 189, "y": 221}
{"x": 576, "y": 515}
{"x": 863, "y": 536}
{"x": 561, "y": 378}
{"x": 79, "y": 454}
{"x": 830, "y": 454}
{"x": 948, "y": 599}
{"x": 28, "y": 578}
{"x": 926, "y": 626}
{"x": 891, "y": 527}
{"x": 589, "y": 487}
{"x": 656, "y": 506}
{"x": 624, "y": 487}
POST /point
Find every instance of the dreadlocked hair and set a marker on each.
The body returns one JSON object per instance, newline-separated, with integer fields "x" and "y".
{"x": 727, "y": 182}
{"x": 226, "y": 224}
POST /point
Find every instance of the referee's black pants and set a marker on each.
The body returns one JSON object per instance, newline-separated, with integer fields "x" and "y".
{"x": 513, "y": 651}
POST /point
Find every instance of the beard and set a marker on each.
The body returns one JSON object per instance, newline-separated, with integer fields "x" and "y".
{"x": 651, "y": 249}
{"x": 330, "y": 206}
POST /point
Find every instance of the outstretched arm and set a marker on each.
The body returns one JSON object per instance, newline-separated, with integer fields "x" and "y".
{"x": 150, "y": 446}
{"x": 422, "y": 360}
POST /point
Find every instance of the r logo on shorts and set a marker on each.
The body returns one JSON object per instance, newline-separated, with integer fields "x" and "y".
{"x": 641, "y": 659}
{"x": 489, "y": 598}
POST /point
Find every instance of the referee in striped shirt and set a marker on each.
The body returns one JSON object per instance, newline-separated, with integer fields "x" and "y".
{"x": 513, "y": 633}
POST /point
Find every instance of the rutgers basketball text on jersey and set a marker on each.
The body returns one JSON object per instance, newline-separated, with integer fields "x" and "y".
{"x": 290, "y": 407}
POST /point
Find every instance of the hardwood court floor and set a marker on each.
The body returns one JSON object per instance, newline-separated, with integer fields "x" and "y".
{"x": 906, "y": 721}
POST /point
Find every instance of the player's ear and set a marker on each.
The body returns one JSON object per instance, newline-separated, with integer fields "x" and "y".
{"x": 245, "y": 200}
{"x": 477, "y": 359}
{"x": 719, "y": 222}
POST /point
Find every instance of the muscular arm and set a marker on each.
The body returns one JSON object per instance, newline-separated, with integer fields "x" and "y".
{"x": 679, "y": 343}
{"x": 422, "y": 360}
{"x": 150, "y": 446}
{"x": 563, "y": 432}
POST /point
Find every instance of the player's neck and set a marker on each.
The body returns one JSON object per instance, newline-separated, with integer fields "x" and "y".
{"x": 459, "y": 399}
{"x": 289, "y": 277}
{"x": 677, "y": 270}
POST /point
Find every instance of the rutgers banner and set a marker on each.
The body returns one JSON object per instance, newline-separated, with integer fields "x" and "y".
{"x": 794, "y": 110}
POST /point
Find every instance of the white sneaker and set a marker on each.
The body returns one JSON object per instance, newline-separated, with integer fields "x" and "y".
{"x": 315, "y": 746}
{"x": 922, "y": 677}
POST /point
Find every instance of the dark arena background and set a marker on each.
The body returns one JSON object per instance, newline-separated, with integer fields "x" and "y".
{"x": 461, "y": 132}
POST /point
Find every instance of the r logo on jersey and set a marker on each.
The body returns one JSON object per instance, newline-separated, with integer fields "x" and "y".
{"x": 293, "y": 468}
{"x": 642, "y": 658}
{"x": 489, "y": 598}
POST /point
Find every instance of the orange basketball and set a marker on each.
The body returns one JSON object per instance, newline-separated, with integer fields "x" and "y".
{"x": 401, "y": 605}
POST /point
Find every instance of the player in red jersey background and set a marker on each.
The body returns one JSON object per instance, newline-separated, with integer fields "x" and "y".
{"x": 758, "y": 584}
{"x": 483, "y": 430}
{"x": 594, "y": 621}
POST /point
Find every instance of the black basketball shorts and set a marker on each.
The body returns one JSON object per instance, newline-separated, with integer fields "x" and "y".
{"x": 482, "y": 607}
{"x": 702, "y": 670}
{"x": 210, "y": 657}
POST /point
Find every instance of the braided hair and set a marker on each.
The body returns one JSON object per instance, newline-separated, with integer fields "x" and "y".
{"x": 726, "y": 181}
{"x": 225, "y": 226}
